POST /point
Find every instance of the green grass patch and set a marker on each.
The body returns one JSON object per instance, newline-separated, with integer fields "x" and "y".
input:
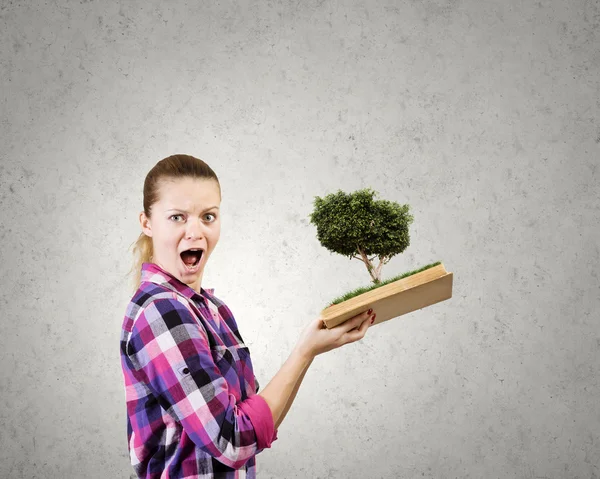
{"x": 372, "y": 286}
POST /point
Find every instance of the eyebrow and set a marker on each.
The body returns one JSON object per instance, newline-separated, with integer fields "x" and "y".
{"x": 186, "y": 212}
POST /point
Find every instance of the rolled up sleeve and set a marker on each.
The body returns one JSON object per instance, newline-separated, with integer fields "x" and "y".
{"x": 259, "y": 412}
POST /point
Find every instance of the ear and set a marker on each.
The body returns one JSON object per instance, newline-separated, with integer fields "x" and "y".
{"x": 145, "y": 224}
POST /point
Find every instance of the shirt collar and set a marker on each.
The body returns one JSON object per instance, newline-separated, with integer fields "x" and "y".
{"x": 153, "y": 273}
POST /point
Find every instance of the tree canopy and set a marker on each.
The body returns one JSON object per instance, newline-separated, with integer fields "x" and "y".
{"x": 358, "y": 226}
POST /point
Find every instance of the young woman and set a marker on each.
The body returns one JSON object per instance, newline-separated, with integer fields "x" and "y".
{"x": 194, "y": 409}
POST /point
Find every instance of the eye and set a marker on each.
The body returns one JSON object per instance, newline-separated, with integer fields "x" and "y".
{"x": 176, "y": 218}
{"x": 211, "y": 214}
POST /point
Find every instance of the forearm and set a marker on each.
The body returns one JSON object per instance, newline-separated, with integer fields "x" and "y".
{"x": 292, "y": 396}
{"x": 281, "y": 390}
{"x": 315, "y": 339}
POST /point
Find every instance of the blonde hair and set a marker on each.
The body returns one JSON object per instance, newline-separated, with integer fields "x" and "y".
{"x": 170, "y": 168}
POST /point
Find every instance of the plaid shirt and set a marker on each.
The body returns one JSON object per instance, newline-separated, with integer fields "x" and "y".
{"x": 192, "y": 407}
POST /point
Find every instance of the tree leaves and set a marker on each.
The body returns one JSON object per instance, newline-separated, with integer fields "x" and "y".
{"x": 348, "y": 221}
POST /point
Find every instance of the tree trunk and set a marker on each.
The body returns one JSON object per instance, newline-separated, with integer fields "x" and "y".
{"x": 375, "y": 273}
{"x": 379, "y": 266}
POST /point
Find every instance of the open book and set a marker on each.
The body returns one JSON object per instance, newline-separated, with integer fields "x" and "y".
{"x": 395, "y": 299}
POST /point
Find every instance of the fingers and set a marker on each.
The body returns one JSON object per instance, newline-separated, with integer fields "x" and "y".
{"x": 356, "y": 321}
{"x": 356, "y": 327}
{"x": 357, "y": 333}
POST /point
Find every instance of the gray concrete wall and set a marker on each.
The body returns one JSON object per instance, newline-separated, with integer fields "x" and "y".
{"x": 483, "y": 116}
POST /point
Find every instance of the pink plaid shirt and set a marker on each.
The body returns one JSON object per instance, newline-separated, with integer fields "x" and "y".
{"x": 192, "y": 407}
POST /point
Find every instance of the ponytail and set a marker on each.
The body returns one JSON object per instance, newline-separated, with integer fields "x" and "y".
{"x": 142, "y": 253}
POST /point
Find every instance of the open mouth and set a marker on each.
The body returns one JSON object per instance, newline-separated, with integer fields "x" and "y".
{"x": 191, "y": 257}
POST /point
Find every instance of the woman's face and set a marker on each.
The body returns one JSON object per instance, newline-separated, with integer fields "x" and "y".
{"x": 185, "y": 225}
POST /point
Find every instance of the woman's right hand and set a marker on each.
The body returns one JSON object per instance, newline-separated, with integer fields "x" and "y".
{"x": 316, "y": 339}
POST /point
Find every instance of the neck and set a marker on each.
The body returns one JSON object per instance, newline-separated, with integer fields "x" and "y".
{"x": 197, "y": 284}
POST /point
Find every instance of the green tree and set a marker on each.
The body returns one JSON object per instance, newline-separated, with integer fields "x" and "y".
{"x": 357, "y": 226}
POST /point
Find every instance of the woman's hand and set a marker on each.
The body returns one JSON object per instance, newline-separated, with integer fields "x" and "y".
{"x": 317, "y": 339}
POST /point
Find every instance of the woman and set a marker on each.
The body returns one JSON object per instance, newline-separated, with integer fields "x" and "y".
{"x": 193, "y": 406}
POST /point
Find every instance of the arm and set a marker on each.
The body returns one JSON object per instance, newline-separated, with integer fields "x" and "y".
{"x": 281, "y": 390}
{"x": 292, "y": 397}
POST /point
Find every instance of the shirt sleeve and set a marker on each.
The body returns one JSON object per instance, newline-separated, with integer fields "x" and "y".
{"x": 170, "y": 351}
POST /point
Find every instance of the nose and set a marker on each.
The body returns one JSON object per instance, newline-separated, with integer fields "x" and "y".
{"x": 194, "y": 230}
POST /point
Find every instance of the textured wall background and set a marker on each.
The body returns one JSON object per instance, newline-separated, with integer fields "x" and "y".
{"x": 483, "y": 116}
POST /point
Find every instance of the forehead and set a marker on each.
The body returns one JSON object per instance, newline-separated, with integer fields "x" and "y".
{"x": 188, "y": 193}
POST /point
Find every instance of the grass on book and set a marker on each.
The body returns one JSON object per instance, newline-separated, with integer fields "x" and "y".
{"x": 364, "y": 289}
